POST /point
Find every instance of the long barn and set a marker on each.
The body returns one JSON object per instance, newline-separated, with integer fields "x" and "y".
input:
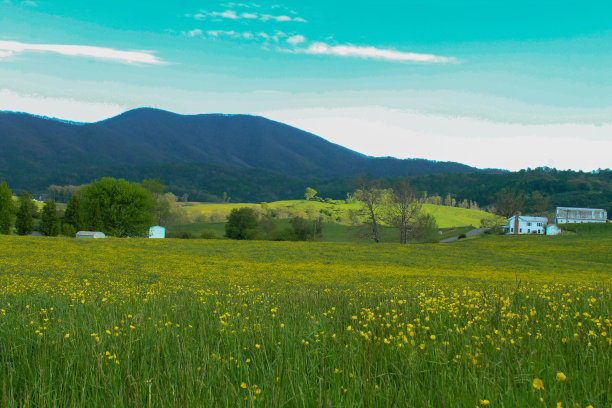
{"x": 569, "y": 215}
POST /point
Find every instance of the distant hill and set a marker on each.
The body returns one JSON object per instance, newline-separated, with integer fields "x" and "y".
{"x": 249, "y": 157}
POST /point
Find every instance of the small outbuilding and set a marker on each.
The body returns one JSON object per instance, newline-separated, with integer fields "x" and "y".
{"x": 90, "y": 234}
{"x": 519, "y": 224}
{"x": 157, "y": 231}
{"x": 553, "y": 229}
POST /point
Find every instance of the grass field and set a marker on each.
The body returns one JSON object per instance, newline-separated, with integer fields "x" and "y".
{"x": 332, "y": 232}
{"x": 336, "y": 212}
{"x": 339, "y": 221}
{"x": 154, "y": 323}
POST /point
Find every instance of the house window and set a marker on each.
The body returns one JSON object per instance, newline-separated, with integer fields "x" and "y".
{"x": 529, "y": 224}
{"x": 511, "y": 229}
{"x": 520, "y": 230}
{"x": 528, "y": 231}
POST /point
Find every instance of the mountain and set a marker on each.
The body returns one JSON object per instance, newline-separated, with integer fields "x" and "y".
{"x": 204, "y": 155}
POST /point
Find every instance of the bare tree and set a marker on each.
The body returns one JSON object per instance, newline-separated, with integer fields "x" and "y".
{"x": 372, "y": 200}
{"x": 509, "y": 202}
{"x": 403, "y": 210}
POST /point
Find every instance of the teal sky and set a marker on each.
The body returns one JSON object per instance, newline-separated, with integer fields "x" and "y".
{"x": 507, "y": 84}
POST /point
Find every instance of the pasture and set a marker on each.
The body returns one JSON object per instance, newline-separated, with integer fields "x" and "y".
{"x": 503, "y": 322}
{"x": 334, "y": 211}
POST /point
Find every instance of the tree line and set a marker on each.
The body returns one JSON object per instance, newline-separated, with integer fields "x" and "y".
{"x": 114, "y": 206}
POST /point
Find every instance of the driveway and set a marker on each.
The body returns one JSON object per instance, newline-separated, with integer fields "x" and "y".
{"x": 471, "y": 233}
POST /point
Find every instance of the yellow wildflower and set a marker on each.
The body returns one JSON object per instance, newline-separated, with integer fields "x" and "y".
{"x": 538, "y": 384}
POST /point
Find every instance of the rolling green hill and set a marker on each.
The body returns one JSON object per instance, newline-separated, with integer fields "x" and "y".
{"x": 342, "y": 222}
{"x": 336, "y": 212}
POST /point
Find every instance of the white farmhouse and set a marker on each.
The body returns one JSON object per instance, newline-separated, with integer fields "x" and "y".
{"x": 157, "y": 231}
{"x": 519, "y": 224}
{"x": 569, "y": 215}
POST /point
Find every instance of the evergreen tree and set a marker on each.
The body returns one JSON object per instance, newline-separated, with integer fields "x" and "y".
{"x": 7, "y": 209}
{"x": 73, "y": 215}
{"x": 49, "y": 223}
{"x": 25, "y": 222}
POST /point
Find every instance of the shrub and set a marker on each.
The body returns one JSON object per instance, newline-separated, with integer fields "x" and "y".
{"x": 208, "y": 234}
{"x": 69, "y": 230}
{"x": 242, "y": 224}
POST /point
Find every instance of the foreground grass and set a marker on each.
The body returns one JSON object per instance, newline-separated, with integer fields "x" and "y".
{"x": 221, "y": 323}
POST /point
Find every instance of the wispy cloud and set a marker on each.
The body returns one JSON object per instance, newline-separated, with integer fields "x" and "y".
{"x": 296, "y": 39}
{"x": 194, "y": 33}
{"x": 246, "y": 35}
{"x": 320, "y": 48}
{"x": 233, "y": 15}
{"x": 11, "y": 48}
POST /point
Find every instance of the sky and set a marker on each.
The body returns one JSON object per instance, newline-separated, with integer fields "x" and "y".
{"x": 493, "y": 84}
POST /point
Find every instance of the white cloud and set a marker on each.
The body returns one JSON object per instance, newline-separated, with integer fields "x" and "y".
{"x": 194, "y": 33}
{"x": 319, "y": 48}
{"x": 379, "y": 131}
{"x": 235, "y": 34}
{"x": 110, "y": 54}
{"x": 58, "y": 107}
{"x": 232, "y": 15}
{"x": 296, "y": 39}
{"x": 6, "y": 54}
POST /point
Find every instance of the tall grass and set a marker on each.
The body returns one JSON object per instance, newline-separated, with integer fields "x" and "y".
{"x": 140, "y": 323}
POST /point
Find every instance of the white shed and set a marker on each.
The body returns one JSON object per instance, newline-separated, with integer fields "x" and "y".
{"x": 90, "y": 234}
{"x": 519, "y": 224}
{"x": 157, "y": 231}
{"x": 553, "y": 229}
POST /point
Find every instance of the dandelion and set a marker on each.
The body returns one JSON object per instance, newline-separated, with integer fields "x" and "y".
{"x": 484, "y": 402}
{"x": 243, "y": 385}
{"x": 538, "y": 384}
{"x": 66, "y": 335}
{"x": 561, "y": 376}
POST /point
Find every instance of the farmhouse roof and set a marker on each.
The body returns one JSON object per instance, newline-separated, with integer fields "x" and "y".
{"x": 530, "y": 219}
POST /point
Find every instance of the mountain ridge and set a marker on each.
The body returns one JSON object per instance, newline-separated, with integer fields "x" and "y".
{"x": 37, "y": 151}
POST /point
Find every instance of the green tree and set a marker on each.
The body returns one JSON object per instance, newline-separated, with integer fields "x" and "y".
{"x": 310, "y": 193}
{"x": 24, "y": 224}
{"x": 118, "y": 208}
{"x": 165, "y": 203}
{"x": 73, "y": 216}
{"x": 242, "y": 224}
{"x": 424, "y": 229}
{"x": 7, "y": 209}
{"x": 50, "y": 223}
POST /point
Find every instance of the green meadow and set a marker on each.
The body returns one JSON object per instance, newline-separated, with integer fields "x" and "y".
{"x": 500, "y": 321}
{"x": 342, "y": 221}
